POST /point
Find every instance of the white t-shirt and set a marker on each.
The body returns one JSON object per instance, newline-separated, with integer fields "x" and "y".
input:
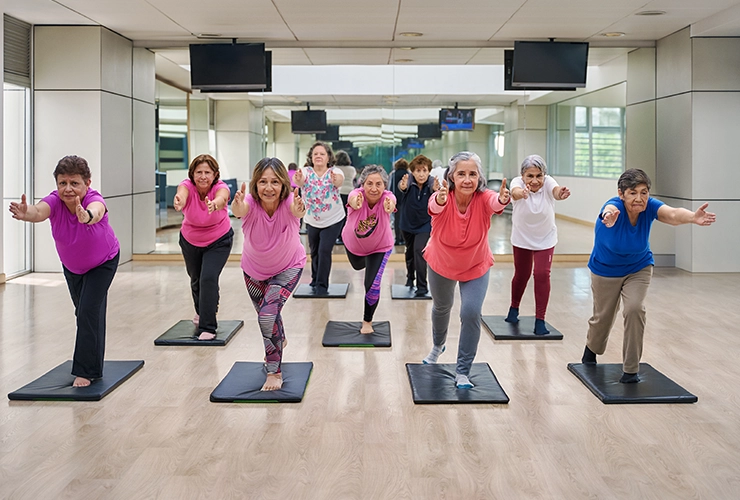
{"x": 439, "y": 173}
{"x": 533, "y": 220}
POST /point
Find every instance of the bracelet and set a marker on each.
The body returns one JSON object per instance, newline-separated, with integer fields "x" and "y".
{"x": 89, "y": 212}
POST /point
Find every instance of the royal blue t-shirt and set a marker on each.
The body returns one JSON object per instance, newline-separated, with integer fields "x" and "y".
{"x": 623, "y": 249}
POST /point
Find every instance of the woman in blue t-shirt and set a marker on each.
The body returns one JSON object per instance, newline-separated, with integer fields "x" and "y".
{"x": 621, "y": 265}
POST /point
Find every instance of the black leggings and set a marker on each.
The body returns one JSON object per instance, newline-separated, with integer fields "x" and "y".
{"x": 374, "y": 265}
{"x": 321, "y": 241}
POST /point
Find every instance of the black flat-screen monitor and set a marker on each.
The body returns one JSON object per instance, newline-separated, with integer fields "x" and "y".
{"x": 456, "y": 119}
{"x": 308, "y": 122}
{"x": 558, "y": 65}
{"x": 429, "y": 131}
{"x": 508, "y": 66}
{"x": 343, "y": 145}
{"x": 331, "y": 134}
{"x": 224, "y": 67}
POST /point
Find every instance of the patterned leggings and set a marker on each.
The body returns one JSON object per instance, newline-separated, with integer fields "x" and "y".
{"x": 374, "y": 265}
{"x": 269, "y": 297}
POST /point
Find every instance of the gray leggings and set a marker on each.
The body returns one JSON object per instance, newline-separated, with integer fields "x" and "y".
{"x": 472, "y": 294}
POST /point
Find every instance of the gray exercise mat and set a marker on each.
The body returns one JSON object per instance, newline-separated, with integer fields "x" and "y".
{"x": 602, "y": 379}
{"x": 336, "y": 291}
{"x": 245, "y": 379}
{"x": 524, "y": 330}
{"x": 347, "y": 334}
{"x": 403, "y": 292}
{"x": 435, "y": 384}
{"x": 185, "y": 332}
{"x": 56, "y": 384}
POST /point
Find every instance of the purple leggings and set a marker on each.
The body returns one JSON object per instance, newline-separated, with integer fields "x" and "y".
{"x": 523, "y": 260}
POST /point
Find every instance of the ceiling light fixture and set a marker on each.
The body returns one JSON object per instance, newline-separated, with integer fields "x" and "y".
{"x": 613, "y": 34}
{"x": 411, "y": 33}
{"x": 406, "y": 48}
{"x": 404, "y": 60}
{"x": 650, "y": 13}
{"x": 209, "y": 35}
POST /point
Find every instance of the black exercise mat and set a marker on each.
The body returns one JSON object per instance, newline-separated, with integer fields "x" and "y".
{"x": 347, "y": 334}
{"x": 56, "y": 384}
{"x": 432, "y": 384}
{"x": 524, "y": 330}
{"x": 402, "y": 292}
{"x": 654, "y": 387}
{"x": 245, "y": 379}
{"x": 185, "y": 332}
{"x": 336, "y": 291}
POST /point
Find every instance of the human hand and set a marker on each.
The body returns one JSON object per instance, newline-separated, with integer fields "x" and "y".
{"x": 504, "y": 196}
{"x": 178, "y": 204}
{"x": 239, "y": 195}
{"x": 436, "y": 186}
{"x": 298, "y": 179}
{"x": 404, "y": 183}
{"x": 526, "y": 191}
{"x": 83, "y": 217}
{"x": 442, "y": 193}
{"x": 704, "y": 218}
{"x": 298, "y": 208}
{"x": 389, "y": 205}
{"x": 19, "y": 210}
{"x": 211, "y": 204}
{"x": 609, "y": 217}
{"x": 336, "y": 179}
{"x": 563, "y": 193}
{"x": 356, "y": 201}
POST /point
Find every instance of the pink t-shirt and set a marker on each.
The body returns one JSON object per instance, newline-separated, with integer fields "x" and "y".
{"x": 81, "y": 247}
{"x": 458, "y": 246}
{"x": 271, "y": 244}
{"x": 199, "y": 228}
{"x": 368, "y": 230}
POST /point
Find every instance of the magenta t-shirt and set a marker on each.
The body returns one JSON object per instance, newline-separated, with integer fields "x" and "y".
{"x": 81, "y": 247}
{"x": 199, "y": 228}
{"x": 271, "y": 244}
{"x": 368, "y": 230}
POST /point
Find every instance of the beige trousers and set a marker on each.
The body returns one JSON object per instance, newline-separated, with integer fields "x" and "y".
{"x": 607, "y": 293}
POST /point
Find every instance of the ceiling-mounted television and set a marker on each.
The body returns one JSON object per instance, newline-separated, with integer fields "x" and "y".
{"x": 508, "y": 66}
{"x": 456, "y": 119}
{"x": 429, "y": 131}
{"x": 230, "y": 67}
{"x": 331, "y": 134}
{"x": 308, "y": 122}
{"x": 551, "y": 65}
{"x": 343, "y": 145}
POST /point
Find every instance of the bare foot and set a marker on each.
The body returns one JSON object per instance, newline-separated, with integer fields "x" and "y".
{"x": 207, "y": 336}
{"x": 273, "y": 383}
{"x": 367, "y": 328}
{"x": 81, "y": 382}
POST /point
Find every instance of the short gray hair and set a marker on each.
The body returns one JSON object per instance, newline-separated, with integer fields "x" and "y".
{"x": 464, "y": 156}
{"x": 373, "y": 169}
{"x": 631, "y": 178}
{"x": 535, "y": 161}
{"x": 436, "y": 163}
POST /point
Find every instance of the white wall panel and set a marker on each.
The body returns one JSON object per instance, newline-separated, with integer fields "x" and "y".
{"x": 673, "y": 175}
{"x": 234, "y": 155}
{"x": 143, "y": 79}
{"x": 587, "y": 196}
{"x": 116, "y": 131}
{"x": 144, "y": 147}
{"x": 144, "y": 222}
{"x": 716, "y": 64}
{"x": 714, "y": 248}
{"x": 640, "y": 137}
{"x": 120, "y": 216}
{"x": 117, "y": 63}
{"x": 673, "y": 66}
{"x": 233, "y": 115}
{"x": 641, "y": 75}
{"x": 46, "y": 259}
{"x": 67, "y": 57}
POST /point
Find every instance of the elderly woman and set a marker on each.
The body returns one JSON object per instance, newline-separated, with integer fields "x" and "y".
{"x": 367, "y": 236}
{"x": 273, "y": 255}
{"x": 89, "y": 251}
{"x": 320, "y": 182}
{"x": 205, "y": 237}
{"x": 621, "y": 265}
{"x": 458, "y": 252}
{"x": 533, "y": 236}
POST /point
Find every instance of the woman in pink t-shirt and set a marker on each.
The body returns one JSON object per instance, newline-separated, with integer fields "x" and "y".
{"x": 205, "y": 237}
{"x": 89, "y": 251}
{"x": 273, "y": 255}
{"x": 458, "y": 252}
{"x": 367, "y": 236}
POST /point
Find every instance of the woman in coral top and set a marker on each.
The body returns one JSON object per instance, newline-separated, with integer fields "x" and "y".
{"x": 458, "y": 252}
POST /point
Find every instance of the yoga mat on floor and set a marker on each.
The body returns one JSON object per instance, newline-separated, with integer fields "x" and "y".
{"x": 347, "y": 334}
{"x": 56, "y": 384}
{"x": 524, "y": 330}
{"x": 336, "y": 291}
{"x": 435, "y": 384}
{"x": 654, "y": 387}
{"x": 245, "y": 379}
{"x": 403, "y": 292}
{"x": 185, "y": 332}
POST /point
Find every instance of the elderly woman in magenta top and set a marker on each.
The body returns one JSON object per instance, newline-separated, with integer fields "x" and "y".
{"x": 621, "y": 265}
{"x": 89, "y": 251}
{"x": 273, "y": 255}
{"x": 205, "y": 237}
{"x": 458, "y": 252}
{"x": 368, "y": 238}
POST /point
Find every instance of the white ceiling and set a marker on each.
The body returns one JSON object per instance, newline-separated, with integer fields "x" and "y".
{"x": 362, "y": 32}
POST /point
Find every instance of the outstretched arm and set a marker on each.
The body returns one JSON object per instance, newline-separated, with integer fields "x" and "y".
{"x": 30, "y": 213}
{"x": 239, "y": 206}
{"x": 677, "y": 216}
{"x": 181, "y": 198}
{"x": 560, "y": 192}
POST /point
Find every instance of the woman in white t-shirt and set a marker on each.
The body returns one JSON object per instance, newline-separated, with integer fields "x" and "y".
{"x": 533, "y": 236}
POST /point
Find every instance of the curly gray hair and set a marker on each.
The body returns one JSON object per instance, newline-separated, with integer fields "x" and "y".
{"x": 373, "y": 169}
{"x": 534, "y": 161}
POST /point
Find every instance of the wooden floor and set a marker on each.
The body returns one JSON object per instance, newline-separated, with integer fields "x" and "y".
{"x": 357, "y": 433}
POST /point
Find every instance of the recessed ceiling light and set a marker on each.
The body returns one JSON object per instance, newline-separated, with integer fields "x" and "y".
{"x": 411, "y": 33}
{"x": 403, "y": 60}
{"x": 650, "y": 13}
{"x": 406, "y": 48}
{"x": 209, "y": 35}
{"x": 612, "y": 34}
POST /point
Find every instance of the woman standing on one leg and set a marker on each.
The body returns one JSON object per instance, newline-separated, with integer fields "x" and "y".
{"x": 320, "y": 182}
{"x": 368, "y": 238}
{"x": 458, "y": 252}
{"x": 89, "y": 251}
{"x": 205, "y": 237}
{"x": 533, "y": 236}
{"x": 621, "y": 265}
{"x": 273, "y": 255}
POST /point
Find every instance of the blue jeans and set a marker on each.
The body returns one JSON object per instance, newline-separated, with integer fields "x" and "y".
{"x": 472, "y": 294}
